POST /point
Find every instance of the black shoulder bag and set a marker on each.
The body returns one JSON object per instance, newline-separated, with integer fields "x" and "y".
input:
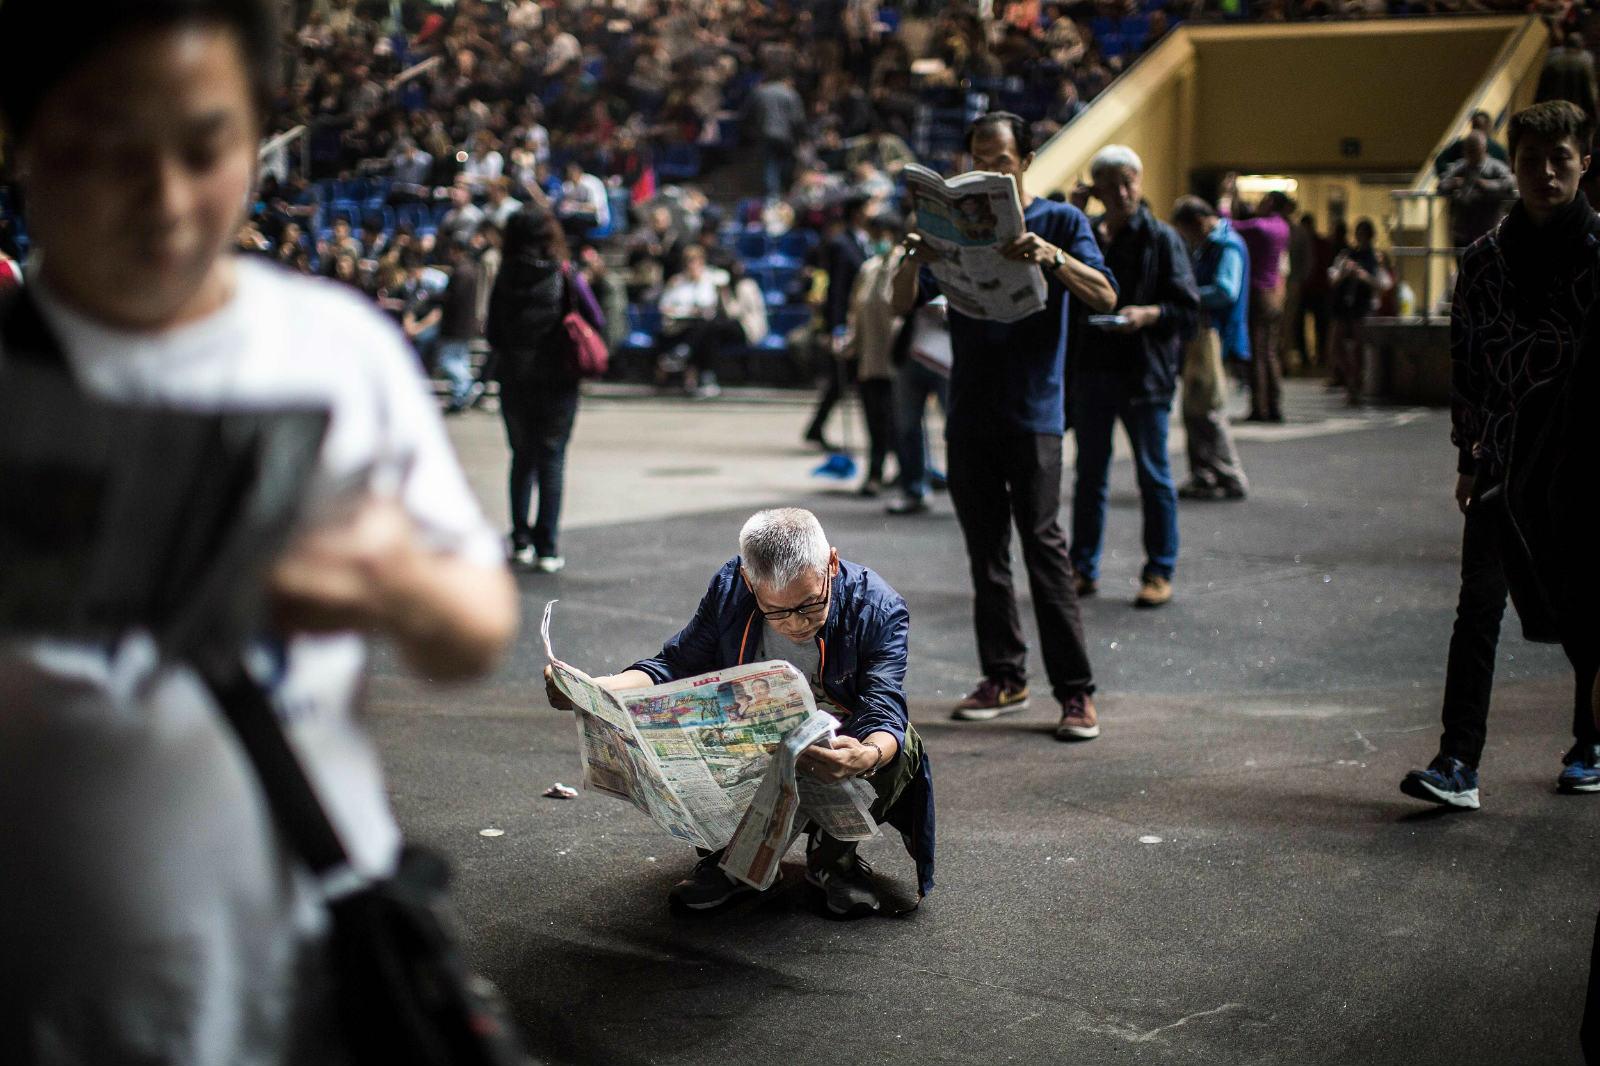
{"x": 405, "y": 995}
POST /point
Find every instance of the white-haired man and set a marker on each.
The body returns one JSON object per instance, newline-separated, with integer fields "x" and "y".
{"x": 787, "y": 595}
{"x": 1126, "y": 369}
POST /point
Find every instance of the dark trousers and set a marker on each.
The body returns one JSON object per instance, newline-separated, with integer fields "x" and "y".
{"x": 705, "y": 337}
{"x": 1266, "y": 379}
{"x": 832, "y": 393}
{"x": 877, "y": 408}
{"x": 1469, "y": 672}
{"x": 995, "y": 480}
{"x": 538, "y": 422}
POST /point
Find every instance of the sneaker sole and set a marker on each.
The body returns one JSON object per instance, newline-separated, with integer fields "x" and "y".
{"x": 860, "y": 911}
{"x": 986, "y": 714}
{"x": 1417, "y": 788}
{"x": 1077, "y": 732}
{"x": 1588, "y": 786}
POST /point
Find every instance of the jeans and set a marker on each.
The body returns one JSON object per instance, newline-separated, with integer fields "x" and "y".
{"x": 912, "y": 385}
{"x": 1469, "y": 670}
{"x": 995, "y": 479}
{"x": 538, "y": 422}
{"x": 455, "y": 361}
{"x": 1098, "y": 402}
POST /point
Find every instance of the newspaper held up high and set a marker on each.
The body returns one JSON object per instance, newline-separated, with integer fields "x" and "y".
{"x": 693, "y": 754}
{"x": 966, "y": 221}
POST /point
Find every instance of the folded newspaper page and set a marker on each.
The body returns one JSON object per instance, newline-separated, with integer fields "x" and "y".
{"x": 770, "y": 824}
{"x": 692, "y": 754}
{"x": 966, "y": 221}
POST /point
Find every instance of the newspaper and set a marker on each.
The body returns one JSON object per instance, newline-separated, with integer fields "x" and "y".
{"x": 693, "y": 754}
{"x": 117, "y": 517}
{"x": 769, "y": 825}
{"x": 966, "y": 221}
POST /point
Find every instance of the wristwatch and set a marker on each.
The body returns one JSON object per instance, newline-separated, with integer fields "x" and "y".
{"x": 1060, "y": 260}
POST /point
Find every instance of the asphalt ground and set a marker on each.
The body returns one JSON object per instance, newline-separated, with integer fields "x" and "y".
{"x": 1228, "y": 875}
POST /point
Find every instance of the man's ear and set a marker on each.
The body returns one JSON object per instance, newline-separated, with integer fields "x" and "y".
{"x": 1028, "y": 162}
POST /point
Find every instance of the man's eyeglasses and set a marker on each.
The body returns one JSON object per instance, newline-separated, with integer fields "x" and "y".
{"x": 804, "y": 610}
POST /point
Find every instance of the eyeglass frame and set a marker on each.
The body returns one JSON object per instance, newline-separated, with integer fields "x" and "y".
{"x": 802, "y": 610}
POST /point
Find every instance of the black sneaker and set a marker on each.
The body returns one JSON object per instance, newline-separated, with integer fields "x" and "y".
{"x": 707, "y": 887}
{"x": 846, "y": 885}
{"x": 1447, "y": 780}
{"x": 907, "y": 504}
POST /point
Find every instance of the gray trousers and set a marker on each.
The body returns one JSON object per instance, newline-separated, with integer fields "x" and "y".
{"x": 1213, "y": 460}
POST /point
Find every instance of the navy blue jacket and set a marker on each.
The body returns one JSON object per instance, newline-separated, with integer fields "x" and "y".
{"x": 863, "y": 646}
{"x": 1151, "y": 265}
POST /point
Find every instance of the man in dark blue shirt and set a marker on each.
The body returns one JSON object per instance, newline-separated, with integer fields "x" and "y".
{"x": 1004, "y": 429}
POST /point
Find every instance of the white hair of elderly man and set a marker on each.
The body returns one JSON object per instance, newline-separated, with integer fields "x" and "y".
{"x": 1115, "y": 156}
{"x": 782, "y": 545}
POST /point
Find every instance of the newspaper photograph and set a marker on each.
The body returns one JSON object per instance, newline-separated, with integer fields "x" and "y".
{"x": 692, "y": 754}
{"x": 966, "y": 221}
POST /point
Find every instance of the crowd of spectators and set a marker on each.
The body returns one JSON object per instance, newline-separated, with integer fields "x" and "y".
{"x": 626, "y": 119}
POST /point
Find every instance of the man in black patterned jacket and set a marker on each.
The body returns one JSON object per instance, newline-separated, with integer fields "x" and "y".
{"x": 1521, "y": 298}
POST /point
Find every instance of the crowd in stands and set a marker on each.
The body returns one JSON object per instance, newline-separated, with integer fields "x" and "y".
{"x": 435, "y": 130}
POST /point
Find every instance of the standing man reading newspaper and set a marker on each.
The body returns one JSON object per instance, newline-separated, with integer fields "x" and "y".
{"x": 1004, "y": 431}
{"x": 787, "y": 595}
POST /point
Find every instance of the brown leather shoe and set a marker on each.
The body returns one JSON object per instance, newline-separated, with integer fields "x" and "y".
{"x": 1085, "y": 586}
{"x": 1078, "y": 720}
{"x": 1154, "y": 591}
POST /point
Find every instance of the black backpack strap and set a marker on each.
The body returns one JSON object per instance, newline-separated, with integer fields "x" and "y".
{"x": 290, "y": 794}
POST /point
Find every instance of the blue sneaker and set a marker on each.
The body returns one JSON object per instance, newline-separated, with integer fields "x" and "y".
{"x": 1582, "y": 773}
{"x": 1449, "y": 781}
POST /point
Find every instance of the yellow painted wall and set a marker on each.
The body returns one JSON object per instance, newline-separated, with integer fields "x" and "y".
{"x": 1279, "y": 99}
{"x": 1282, "y": 101}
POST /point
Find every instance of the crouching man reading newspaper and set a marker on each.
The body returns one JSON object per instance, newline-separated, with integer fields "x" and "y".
{"x": 789, "y": 596}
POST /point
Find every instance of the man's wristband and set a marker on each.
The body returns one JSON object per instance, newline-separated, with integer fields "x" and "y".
{"x": 875, "y": 762}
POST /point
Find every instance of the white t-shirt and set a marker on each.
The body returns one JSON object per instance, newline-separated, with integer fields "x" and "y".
{"x": 147, "y": 911}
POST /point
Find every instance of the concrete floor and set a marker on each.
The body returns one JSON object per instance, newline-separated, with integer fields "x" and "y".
{"x": 1229, "y": 875}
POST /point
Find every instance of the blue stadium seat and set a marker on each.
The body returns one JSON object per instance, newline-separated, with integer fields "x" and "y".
{"x": 644, "y": 327}
{"x": 678, "y": 162}
{"x": 752, "y": 245}
{"x": 798, "y": 243}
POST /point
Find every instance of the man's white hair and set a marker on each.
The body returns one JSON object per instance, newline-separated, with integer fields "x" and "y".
{"x": 782, "y": 545}
{"x": 1115, "y": 155}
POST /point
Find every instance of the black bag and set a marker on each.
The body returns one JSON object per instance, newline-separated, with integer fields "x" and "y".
{"x": 404, "y": 993}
